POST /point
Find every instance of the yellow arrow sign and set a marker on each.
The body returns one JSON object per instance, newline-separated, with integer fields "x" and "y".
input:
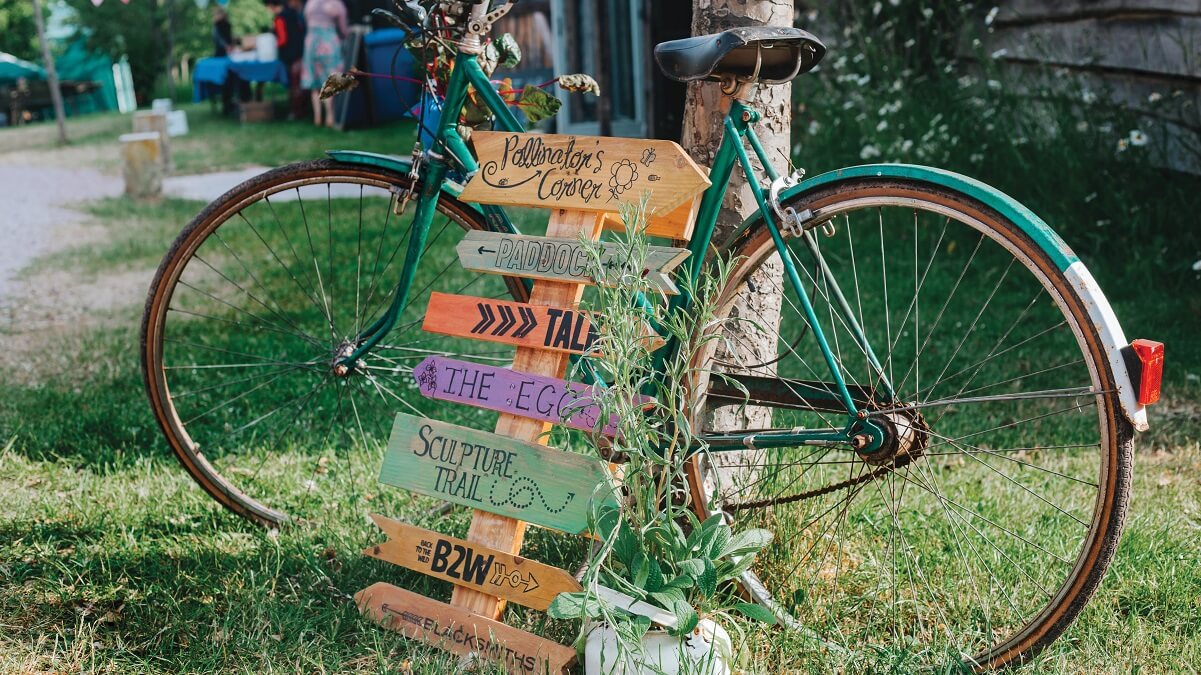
{"x": 584, "y": 173}
{"x": 524, "y": 581}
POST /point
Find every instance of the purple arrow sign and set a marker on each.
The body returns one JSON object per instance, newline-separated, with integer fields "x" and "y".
{"x": 533, "y": 396}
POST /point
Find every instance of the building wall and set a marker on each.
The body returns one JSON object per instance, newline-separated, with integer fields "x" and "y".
{"x": 1144, "y": 55}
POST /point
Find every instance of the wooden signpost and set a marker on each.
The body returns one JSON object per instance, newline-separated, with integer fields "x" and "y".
{"x": 561, "y": 259}
{"x": 508, "y": 477}
{"x": 549, "y": 399}
{"x": 526, "y": 582}
{"x": 486, "y": 471}
{"x": 462, "y": 631}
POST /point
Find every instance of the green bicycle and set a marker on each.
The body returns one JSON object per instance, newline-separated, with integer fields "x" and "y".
{"x": 945, "y": 406}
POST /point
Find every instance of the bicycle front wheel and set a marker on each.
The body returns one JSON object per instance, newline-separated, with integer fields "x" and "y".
{"x": 985, "y": 518}
{"x": 253, "y": 305}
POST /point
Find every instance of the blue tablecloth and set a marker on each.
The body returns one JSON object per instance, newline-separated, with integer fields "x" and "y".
{"x": 210, "y": 74}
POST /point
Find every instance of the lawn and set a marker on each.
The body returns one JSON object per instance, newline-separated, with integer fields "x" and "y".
{"x": 214, "y": 142}
{"x": 112, "y": 559}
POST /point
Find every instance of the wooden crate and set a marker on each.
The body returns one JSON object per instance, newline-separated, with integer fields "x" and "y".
{"x": 256, "y": 111}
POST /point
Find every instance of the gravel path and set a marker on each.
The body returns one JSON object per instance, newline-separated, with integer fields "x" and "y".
{"x": 34, "y": 215}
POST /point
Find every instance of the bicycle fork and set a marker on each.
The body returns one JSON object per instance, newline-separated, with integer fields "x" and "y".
{"x": 423, "y": 217}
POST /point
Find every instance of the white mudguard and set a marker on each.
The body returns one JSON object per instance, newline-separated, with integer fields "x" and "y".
{"x": 1113, "y": 339}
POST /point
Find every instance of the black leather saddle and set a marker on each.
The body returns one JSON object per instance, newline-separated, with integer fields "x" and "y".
{"x": 767, "y": 54}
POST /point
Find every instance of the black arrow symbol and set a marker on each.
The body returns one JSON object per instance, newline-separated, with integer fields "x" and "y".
{"x": 483, "y": 250}
{"x": 486, "y": 318}
{"x": 506, "y": 320}
{"x": 529, "y": 322}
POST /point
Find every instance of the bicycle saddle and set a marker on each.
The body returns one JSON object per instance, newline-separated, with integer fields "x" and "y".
{"x": 767, "y": 54}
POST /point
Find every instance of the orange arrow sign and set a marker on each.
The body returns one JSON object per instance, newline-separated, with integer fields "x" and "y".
{"x": 584, "y": 173}
{"x": 555, "y": 329}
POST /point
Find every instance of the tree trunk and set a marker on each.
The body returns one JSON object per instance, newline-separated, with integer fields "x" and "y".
{"x": 761, "y": 297}
{"x": 56, "y": 94}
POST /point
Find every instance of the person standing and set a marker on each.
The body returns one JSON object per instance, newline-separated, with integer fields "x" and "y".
{"x": 326, "y": 23}
{"x": 289, "y": 30}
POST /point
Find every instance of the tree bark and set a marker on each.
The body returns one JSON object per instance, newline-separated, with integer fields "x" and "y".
{"x": 761, "y": 297}
{"x": 56, "y": 94}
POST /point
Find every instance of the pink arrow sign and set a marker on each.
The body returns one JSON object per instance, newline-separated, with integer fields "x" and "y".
{"x": 533, "y": 396}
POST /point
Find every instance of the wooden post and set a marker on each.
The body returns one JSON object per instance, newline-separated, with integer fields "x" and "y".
{"x": 499, "y": 532}
{"x": 141, "y": 165}
{"x": 149, "y": 121}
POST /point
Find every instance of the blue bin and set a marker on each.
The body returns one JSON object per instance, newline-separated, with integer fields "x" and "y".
{"x": 393, "y": 98}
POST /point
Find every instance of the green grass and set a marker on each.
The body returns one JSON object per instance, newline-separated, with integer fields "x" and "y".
{"x": 214, "y": 142}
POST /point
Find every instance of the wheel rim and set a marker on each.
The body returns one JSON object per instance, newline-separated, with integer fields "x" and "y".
{"x": 250, "y": 316}
{"x": 933, "y": 561}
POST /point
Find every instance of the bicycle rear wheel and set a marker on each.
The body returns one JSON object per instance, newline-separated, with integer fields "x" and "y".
{"x": 978, "y": 531}
{"x": 257, "y": 298}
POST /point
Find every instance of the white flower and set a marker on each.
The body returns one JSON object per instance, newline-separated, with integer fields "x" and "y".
{"x": 814, "y": 127}
{"x": 1192, "y": 377}
{"x": 869, "y": 151}
{"x": 1088, "y": 96}
{"x": 1123, "y": 143}
{"x": 882, "y": 125}
{"x": 928, "y": 13}
{"x": 995, "y": 85}
{"x": 841, "y": 62}
{"x": 1000, "y": 53}
{"x": 1154, "y": 97}
{"x": 1082, "y": 126}
{"x": 858, "y": 57}
{"x": 909, "y": 43}
{"x": 862, "y": 81}
{"x": 1137, "y": 138}
{"x": 992, "y": 16}
{"x": 906, "y": 145}
{"x": 976, "y": 157}
{"x": 895, "y": 3}
{"x": 876, "y": 9}
{"x": 1103, "y": 222}
{"x": 1089, "y": 197}
{"x": 1197, "y": 266}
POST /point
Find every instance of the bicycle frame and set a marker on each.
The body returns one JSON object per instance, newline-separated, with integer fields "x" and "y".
{"x": 450, "y": 149}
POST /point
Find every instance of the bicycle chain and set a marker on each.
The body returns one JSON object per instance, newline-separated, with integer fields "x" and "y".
{"x": 809, "y": 494}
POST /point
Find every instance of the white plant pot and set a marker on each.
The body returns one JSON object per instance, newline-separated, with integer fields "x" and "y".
{"x": 705, "y": 651}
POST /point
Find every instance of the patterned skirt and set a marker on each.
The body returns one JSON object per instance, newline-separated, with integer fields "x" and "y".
{"x": 322, "y": 56}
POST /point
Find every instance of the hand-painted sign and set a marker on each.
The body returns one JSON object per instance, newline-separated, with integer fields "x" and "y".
{"x": 548, "y": 399}
{"x": 515, "y": 323}
{"x": 562, "y": 259}
{"x": 465, "y": 563}
{"x": 461, "y": 631}
{"x": 555, "y": 329}
{"x": 496, "y": 474}
{"x": 584, "y": 173}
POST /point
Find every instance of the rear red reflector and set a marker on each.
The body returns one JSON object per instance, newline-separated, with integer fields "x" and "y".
{"x": 1150, "y": 378}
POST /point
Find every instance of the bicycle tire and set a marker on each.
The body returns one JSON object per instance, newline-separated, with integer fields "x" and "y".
{"x": 1039, "y": 625}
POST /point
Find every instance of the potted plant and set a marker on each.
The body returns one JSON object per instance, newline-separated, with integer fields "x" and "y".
{"x": 656, "y": 563}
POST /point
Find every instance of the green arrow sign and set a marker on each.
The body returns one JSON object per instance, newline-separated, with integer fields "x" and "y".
{"x": 501, "y": 475}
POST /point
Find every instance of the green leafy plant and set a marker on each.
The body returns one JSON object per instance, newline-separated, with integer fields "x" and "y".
{"x": 655, "y": 549}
